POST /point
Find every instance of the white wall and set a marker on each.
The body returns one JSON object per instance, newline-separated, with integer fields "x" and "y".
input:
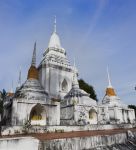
{"x": 24, "y": 143}
{"x": 52, "y": 78}
{"x": 87, "y": 143}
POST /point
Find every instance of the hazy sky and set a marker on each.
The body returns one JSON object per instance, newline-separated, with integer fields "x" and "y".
{"x": 95, "y": 32}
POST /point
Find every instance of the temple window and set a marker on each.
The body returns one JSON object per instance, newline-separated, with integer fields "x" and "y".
{"x": 92, "y": 114}
{"x": 64, "y": 85}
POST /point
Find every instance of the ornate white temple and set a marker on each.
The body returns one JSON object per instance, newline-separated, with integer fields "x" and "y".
{"x": 51, "y": 96}
{"x": 112, "y": 109}
{"x": 55, "y": 71}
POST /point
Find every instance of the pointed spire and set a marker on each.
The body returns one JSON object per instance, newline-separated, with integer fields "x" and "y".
{"x": 110, "y": 90}
{"x": 74, "y": 63}
{"x": 11, "y": 91}
{"x": 109, "y": 80}
{"x": 75, "y": 80}
{"x": 55, "y": 27}
{"x": 34, "y": 56}
{"x": 33, "y": 72}
{"x": 19, "y": 79}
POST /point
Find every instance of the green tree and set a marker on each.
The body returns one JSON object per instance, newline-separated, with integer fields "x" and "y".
{"x": 88, "y": 88}
{"x": 132, "y": 107}
{"x": 3, "y": 95}
{"x": 1, "y": 106}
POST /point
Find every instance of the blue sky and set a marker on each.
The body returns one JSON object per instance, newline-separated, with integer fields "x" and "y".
{"x": 98, "y": 33}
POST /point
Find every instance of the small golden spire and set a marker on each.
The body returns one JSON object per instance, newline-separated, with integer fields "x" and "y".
{"x": 33, "y": 72}
{"x": 11, "y": 92}
{"x": 110, "y": 90}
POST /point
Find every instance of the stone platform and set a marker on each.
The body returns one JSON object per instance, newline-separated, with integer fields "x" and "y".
{"x": 48, "y": 129}
{"x": 117, "y": 139}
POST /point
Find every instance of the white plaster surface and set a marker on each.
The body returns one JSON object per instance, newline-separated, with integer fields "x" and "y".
{"x": 25, "y": 143}
{"x": 78, "y": 143}
{"x": 85, "y": 143}
{"x": 41, "y": 129}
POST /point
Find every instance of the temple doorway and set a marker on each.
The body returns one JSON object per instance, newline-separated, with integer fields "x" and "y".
{"x": 38, "y": 115}
{"x": 93, "y": 116}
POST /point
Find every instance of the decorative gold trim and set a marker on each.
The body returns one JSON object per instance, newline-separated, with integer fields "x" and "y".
{"x": 33, "y": 73}
{"x": 110, "y": 92}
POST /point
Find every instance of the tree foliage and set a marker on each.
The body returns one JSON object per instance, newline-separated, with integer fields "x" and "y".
{"x": 132, "y": 107}
{"x": 3, "y": 95}
{"x": 88, "y": 88}
{"x": 1, "y": 107}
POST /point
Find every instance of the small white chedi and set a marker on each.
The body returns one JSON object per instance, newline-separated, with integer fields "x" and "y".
{"x": 51, "y": 96}
{"x": 112, "y": 110}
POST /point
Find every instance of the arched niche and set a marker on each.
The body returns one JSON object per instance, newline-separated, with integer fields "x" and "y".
{"x": 38, "y": 115}
{"x": 64, "y": 85}
{"x": 93, "y": 116}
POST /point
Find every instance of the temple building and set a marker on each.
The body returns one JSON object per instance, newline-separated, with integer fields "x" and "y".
{"x": 51, "y": 96}
{"x": 78, "y": 108}
{"x": 112, "y": 110}
{"x": 55, "y": 71}
{"x": 31, "y": 102}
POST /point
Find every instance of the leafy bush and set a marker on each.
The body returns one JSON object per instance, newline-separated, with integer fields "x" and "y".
{"x": 88, "y": 88}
